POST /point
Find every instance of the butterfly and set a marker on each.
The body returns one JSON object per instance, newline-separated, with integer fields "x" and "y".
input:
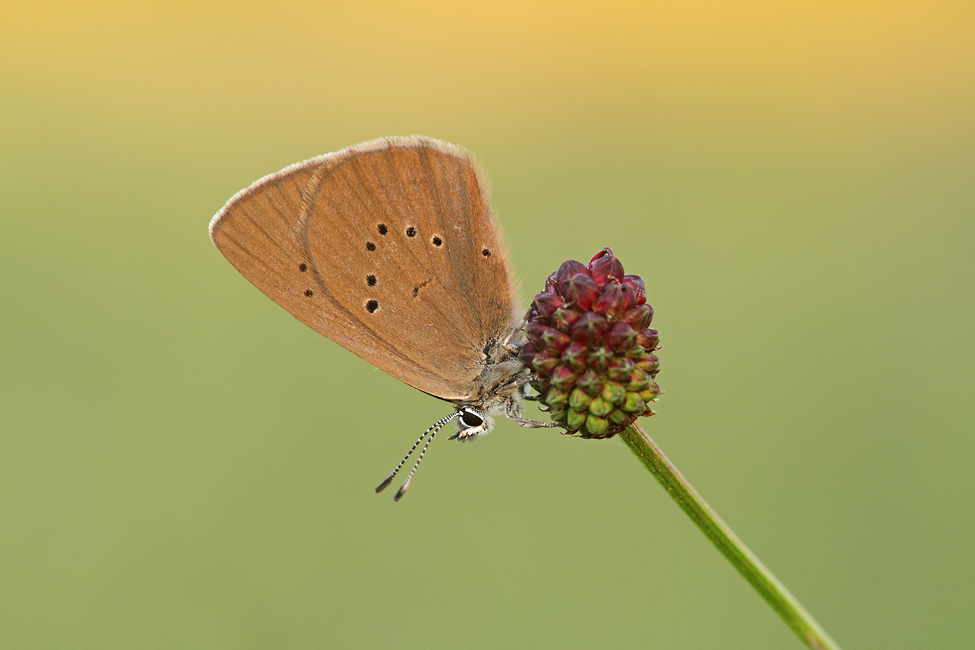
{"x": 390, "y": 249}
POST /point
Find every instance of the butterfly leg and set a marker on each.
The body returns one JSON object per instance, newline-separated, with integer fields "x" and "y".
{"x": 519, "y": 384}
{"x": 516, "y": 384}
{"x": 525, "y": 395}
{"x": 512, "y": 414}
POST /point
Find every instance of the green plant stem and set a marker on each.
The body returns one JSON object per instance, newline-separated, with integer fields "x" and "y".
{"x": 748, "y": 565}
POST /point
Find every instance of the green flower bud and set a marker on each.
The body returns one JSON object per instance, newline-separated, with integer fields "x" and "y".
{"x": 580, "y": 399}
{"x": 639, "y": 381}
{"x": 576, "y": 419}
{"x": 600, "y": 407}
{"x": 559, "y": 415}
{"x": 618, "y": 417}
{"x": 556, "y": 398}
{"x": 597, "y": 427}
{"x": 613, "y": 393}
{"x": 634, "y": 403}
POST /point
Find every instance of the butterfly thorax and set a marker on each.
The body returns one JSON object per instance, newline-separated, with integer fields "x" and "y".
{"x": 499, "y": 388}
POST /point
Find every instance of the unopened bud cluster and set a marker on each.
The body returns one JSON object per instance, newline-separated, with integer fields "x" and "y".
{"x": 590, "y": 347}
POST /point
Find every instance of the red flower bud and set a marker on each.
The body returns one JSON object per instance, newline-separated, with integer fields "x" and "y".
{"x": 574, "y": 356}
{"x": 566, "y": 271}
{"x": 621, "y": 337}
{"x": 544, "y": 364}
{"x": 648, "y": 338}
{"x": 589, "y": 329}
{"x": 550, "y": 283}
{"x": 638, "y": 317}
{"x": 599, "y": 358}
{"x": 629, "y": 296}
{"x": 603, "y": 253}
{"x": 554, "y": 341}
{"x": 565, "y": 317}
{"x": 534, "y": 330}
{"x": 579, "y": 290}
{"x": 546, "y": 303}
{"x": 611, "y": 301}
{"x": 620, "y": 370}
{"x": 636, "y": 282}
{"x": 591, "y": 382}
{"x": 563, "y": 378}
{"x": 604, "y": 266}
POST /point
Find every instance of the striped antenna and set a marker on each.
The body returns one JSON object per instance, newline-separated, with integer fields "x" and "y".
{"x": 434, "y": 428}
{"x": 406, "y": 484}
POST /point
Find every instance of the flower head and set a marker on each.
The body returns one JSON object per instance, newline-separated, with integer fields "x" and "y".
{"x": 590, "y": 347}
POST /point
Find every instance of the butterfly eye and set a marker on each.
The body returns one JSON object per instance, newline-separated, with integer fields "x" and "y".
{"x": 470, "y": 419}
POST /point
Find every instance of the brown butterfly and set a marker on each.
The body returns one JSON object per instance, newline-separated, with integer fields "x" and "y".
{"x": 390, "y": 249}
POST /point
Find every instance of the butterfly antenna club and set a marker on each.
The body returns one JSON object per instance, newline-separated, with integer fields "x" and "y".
{"x": 435, "y": 427}
{"x": 406, "y": 484}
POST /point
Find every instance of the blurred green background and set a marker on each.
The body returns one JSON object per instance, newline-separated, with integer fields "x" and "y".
{"x": 184, "y": 465}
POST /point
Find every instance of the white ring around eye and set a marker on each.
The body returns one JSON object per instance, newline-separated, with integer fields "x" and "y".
{"x": 466, "y": 427}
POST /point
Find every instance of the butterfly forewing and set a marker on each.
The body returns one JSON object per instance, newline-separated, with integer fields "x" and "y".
{"x": 388, "y": 248}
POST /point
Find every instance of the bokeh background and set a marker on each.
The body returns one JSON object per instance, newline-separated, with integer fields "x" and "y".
{"x": 184, "y": 465}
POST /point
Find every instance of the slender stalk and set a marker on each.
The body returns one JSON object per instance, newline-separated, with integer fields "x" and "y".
{"x": 747, "y": 564}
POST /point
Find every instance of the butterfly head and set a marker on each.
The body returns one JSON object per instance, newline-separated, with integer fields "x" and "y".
{"x": 471, "y": 423}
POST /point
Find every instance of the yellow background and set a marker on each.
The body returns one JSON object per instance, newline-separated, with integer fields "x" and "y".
{"x": 183, "y": 465}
